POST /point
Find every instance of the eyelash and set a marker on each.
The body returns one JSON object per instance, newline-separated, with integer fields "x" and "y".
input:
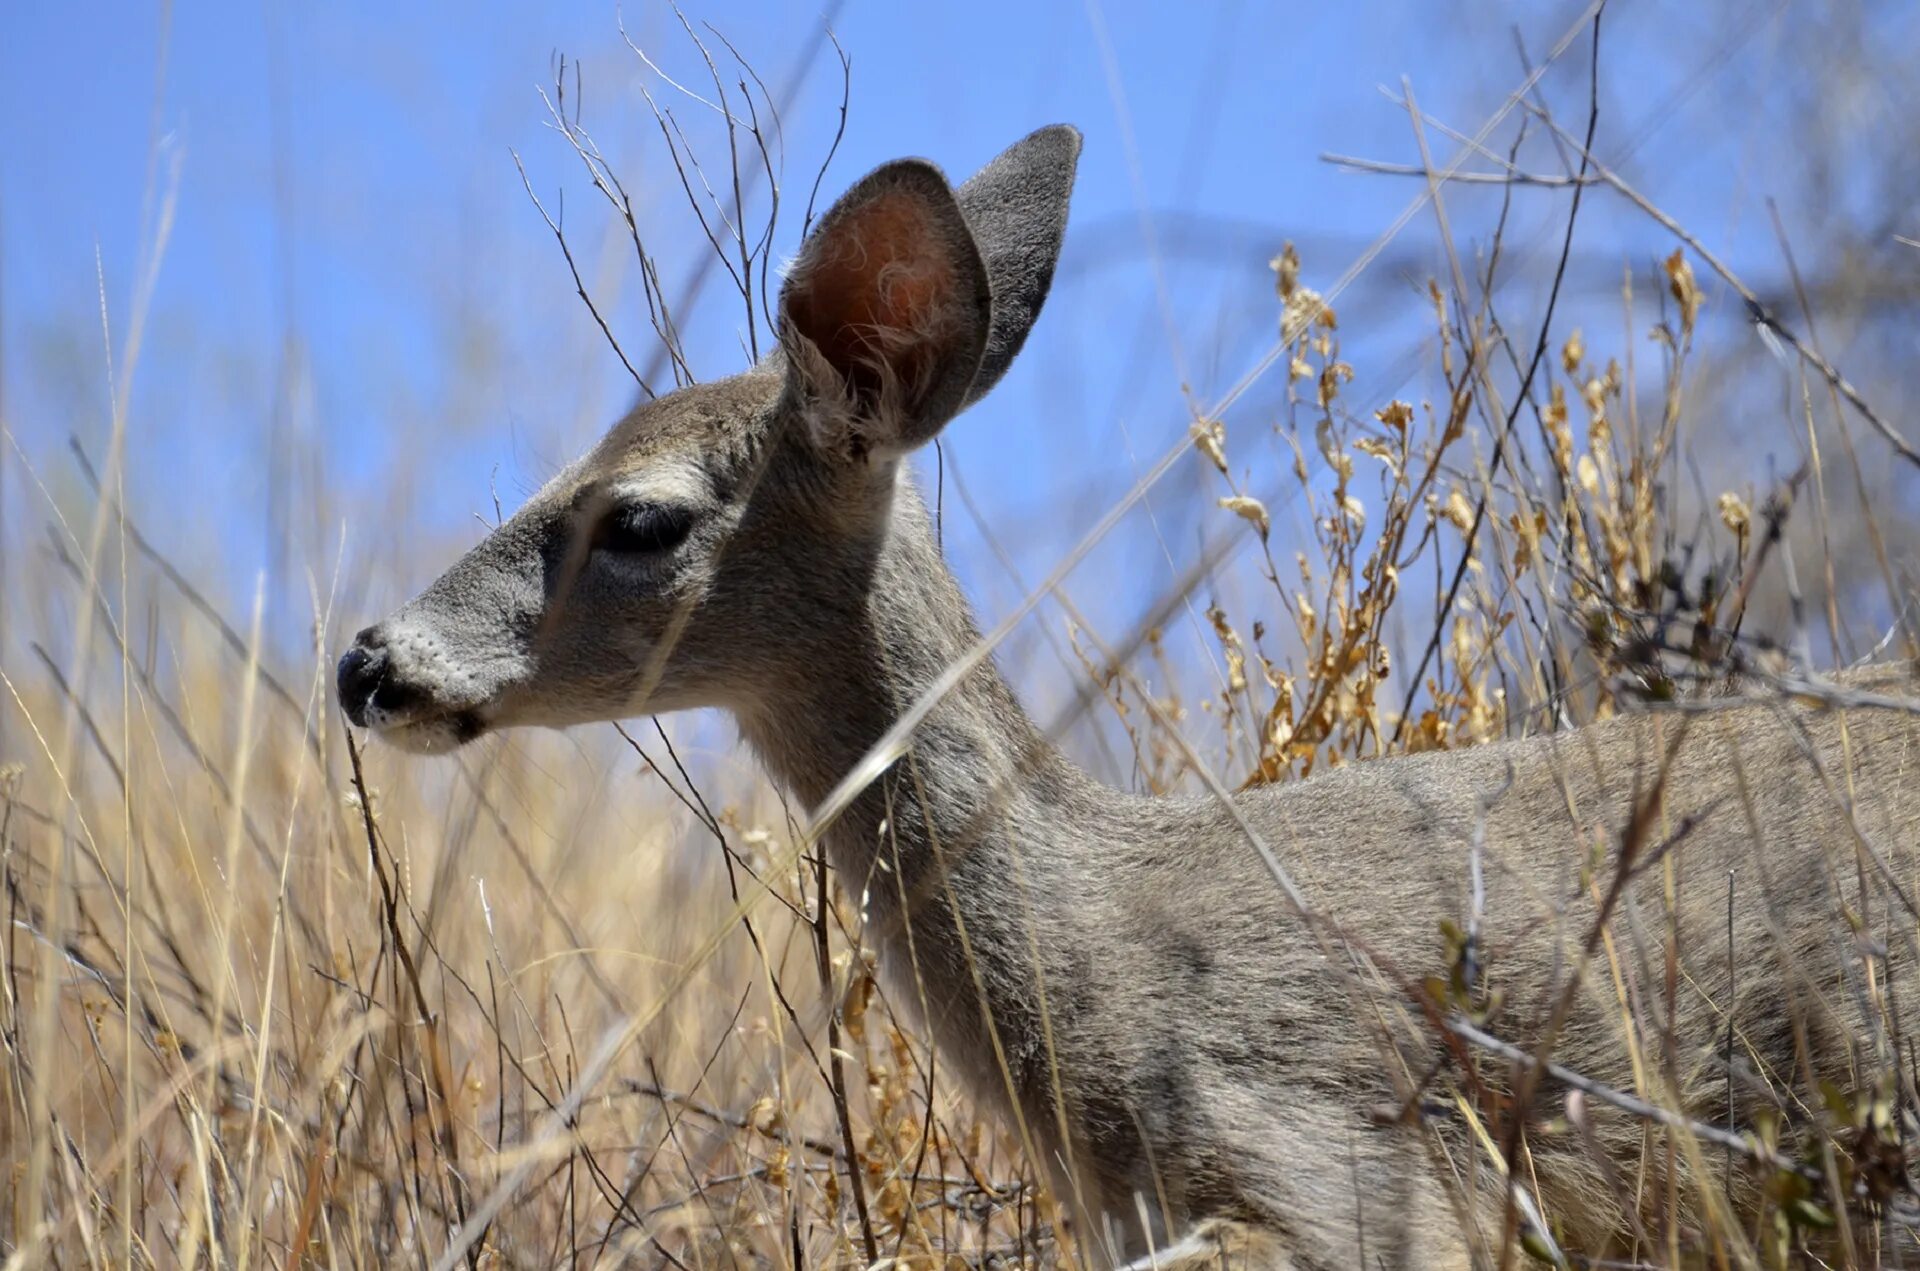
{"x": 645, "y": 530}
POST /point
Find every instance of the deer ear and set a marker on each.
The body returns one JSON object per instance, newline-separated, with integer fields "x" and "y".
{"x": 1017, "y": 207}
{"x": 885, "y": 314}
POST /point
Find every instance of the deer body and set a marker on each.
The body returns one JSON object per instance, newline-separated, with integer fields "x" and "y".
{"x": 1140, "y": 966}
{"x": 1201, "y": 1064}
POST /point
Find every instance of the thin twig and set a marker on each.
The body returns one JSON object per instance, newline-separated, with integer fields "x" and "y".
{"x": 579, "y": 286}
{"x": 1520, "y": 398}
{"x": 1733, "y": 1141}
{"x": 1757, "y": 310}
{"x": 1516, "y": 177}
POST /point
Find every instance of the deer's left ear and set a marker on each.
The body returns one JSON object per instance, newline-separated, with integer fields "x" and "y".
{"x": 884, "y": 316}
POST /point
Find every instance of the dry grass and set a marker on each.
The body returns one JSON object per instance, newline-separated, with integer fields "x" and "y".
{"x": 265, "y": 998}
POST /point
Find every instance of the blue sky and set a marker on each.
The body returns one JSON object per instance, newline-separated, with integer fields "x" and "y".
{"x": 361, "y": 320}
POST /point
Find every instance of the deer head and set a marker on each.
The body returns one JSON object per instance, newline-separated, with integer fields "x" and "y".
{"x": 716, "y": 540}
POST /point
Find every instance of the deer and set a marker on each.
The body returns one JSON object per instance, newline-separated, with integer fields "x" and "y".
{"x": 1211, "y": 1017}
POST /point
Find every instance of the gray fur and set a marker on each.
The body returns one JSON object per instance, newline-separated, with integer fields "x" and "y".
{"x": 1017, "y": 206}
{"x": 1220, "y": 1060}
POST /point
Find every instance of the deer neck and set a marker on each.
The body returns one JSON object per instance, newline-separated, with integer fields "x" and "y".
{"x": 969, "y": 856}
{"x": 980, "y": 793}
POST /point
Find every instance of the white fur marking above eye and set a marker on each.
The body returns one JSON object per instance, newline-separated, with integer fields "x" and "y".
{"x": 677, "y": 484}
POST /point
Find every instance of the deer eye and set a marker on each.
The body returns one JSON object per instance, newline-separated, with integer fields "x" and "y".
{"x": 642, "y": 529}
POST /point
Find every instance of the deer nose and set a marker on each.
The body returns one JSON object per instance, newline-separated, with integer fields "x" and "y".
{"x": 361, "y": 669}
{"x": 369, "y": 690}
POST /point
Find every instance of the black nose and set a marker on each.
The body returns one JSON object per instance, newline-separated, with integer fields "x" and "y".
{"x": 362, "y": 668}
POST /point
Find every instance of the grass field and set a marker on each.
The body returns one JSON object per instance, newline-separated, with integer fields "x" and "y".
{"x": 271, "y": 993}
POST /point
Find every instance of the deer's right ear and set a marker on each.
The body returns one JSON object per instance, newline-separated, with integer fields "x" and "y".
{"x": 1017, "y": 206}
{"x": 885, "y": 314}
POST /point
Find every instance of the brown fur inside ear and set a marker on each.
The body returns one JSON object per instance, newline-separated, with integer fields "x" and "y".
{"x": 877, "y": 300}
{"x": 885, "y": 316}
